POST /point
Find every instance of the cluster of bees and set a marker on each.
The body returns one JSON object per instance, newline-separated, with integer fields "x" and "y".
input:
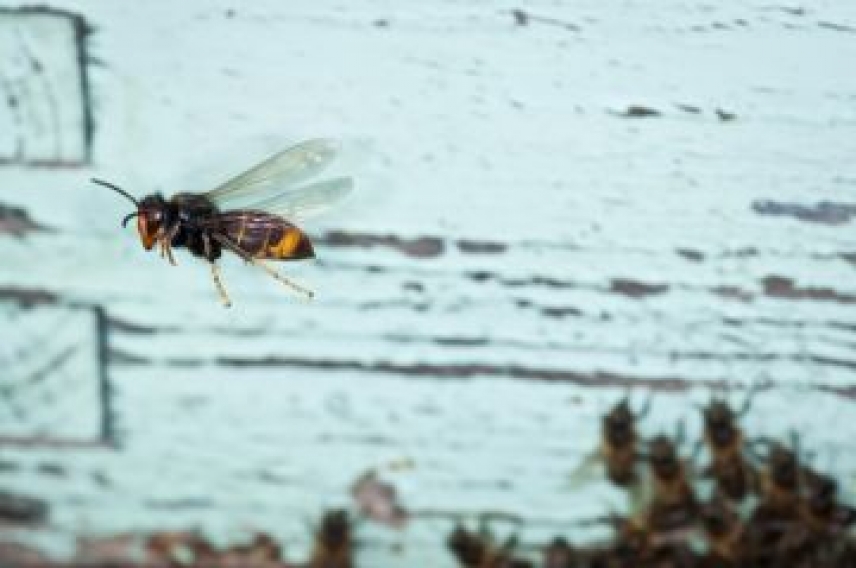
{"x": 332, "y": 548}
{"x": 755, "y": 504}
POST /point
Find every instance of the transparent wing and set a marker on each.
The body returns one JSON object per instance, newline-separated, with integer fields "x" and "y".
{"x": 588, "y": 470}
{"x": 282, "y": 170}
{"x": 308, "y": 200}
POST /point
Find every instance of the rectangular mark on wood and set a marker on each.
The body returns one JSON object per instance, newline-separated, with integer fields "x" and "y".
{"x": 53, "y": 384}
{"x": 45, "y": 104}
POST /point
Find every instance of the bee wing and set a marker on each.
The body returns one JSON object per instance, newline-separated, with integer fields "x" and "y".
{"x": 589, "y": 469}
{"x": 282, "y": 170}
{"x": 308, "y": 200}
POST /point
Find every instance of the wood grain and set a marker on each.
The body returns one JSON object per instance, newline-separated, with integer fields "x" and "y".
{"x": 526, "y": 244}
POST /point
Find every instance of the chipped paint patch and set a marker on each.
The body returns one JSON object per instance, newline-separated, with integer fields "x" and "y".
{"x": 823, "y": 212}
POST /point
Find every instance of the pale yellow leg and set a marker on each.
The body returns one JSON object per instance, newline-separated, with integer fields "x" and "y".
{"x": 168, "y": 244}
{"x": 305, "y": 292}
{"x": 166, "y": 247}
{"x": 165, "y": 244}
{"x": 218, "y": 283}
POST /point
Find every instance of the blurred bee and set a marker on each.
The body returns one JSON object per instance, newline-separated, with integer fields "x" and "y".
{"x": 723, "y": 531}
{"x": 208, "y": 223}
{"x": 637, "y": 545}
{"x": 262, "y": 550}
{"x": 820, "y": 508}
{"x": 333, "y": 546}
{"x": 633, "y": 544}
{"x": 780, "y": 480}
{"x": 178, "y": 549}
{"x": 794, "y": 492}
{"x": 734, "y": 476}
{"x": 619, "y": 443}
{"x": 560, "y": 554}
{"x": 673, "y": 502}
{"x": 774, "y": 530}
{"x": 477, "y": 550}
{"x": 378, "y": 500}
{"x": 468, "y": 548}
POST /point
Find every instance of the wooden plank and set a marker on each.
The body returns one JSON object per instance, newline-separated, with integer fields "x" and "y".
{"x": 511, "y": 222}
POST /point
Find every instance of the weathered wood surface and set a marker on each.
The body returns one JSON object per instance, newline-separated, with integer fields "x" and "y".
{"x": 45, "y": 117}
{"x": 515, "y": 227}
{"x": 50, "y": 360}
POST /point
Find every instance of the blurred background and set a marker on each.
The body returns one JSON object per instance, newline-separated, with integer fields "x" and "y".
{"x": 557, "y": 205}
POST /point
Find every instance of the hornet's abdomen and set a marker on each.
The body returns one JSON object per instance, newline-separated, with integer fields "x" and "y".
{"x": 266, "y": 236}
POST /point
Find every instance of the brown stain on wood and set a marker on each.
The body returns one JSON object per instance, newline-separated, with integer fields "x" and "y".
{"x": 622, "y": 286}
{"x": 482, "y": 276}
{"x": 523, "y": 19}
{"x": 636, "y": 289}
{"x": 783, "y": 287}
{"x": 848, "y": 392}
{"x": 19, "y": 509}
{"x": 426, "y": 246}
{"x": 560, "y": 312}
{"x": 822, "y": 212}
{"x": 416, "y": 247}
{"x": 481, "y": 247}
{"x": 834, "y": 26}
{"x": 690, "y": 254}
{"x": 733, "y": 293}
{"x": 639, "y": 111}
{"x": 28, "y": 297}
{"x": 15, "y": 221}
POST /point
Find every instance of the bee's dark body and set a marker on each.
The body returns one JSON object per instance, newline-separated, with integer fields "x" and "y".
{"x": 264, "y": 235}
{"x": 333, "y": 542}
{"x": 197, "y": 225}
{"x": 619, "y": 441}
{"x": 735, "y": 478}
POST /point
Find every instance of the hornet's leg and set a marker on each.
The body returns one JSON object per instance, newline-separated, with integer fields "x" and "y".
{"x": 166, "y": 244}
{"x": 218, "y": 283}
{"x": 264, "y": 266}
{"x": 215, "y": 274}
{"x": 166, "y": 252}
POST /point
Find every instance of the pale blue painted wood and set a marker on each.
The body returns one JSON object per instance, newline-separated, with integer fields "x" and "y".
{"x": 631, "y": 247}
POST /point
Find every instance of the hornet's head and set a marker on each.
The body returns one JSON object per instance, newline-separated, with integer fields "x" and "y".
{"x": 151, "y": 214}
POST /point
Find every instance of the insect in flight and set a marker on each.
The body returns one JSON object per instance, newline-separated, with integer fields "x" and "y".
{"x": 250, "y": 215}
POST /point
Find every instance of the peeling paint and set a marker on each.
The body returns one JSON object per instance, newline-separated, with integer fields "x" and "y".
{"x": 823, "y": 212}
{"x": 416, "y": 247}
{"x": 636, "y": 289}
{"x": 782, "y": 287}
{"x": 27, "y": 297}
{"x": 481, "y": 247}
{"x": 16, "y": 222}
{"x": 690, "y": 254}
